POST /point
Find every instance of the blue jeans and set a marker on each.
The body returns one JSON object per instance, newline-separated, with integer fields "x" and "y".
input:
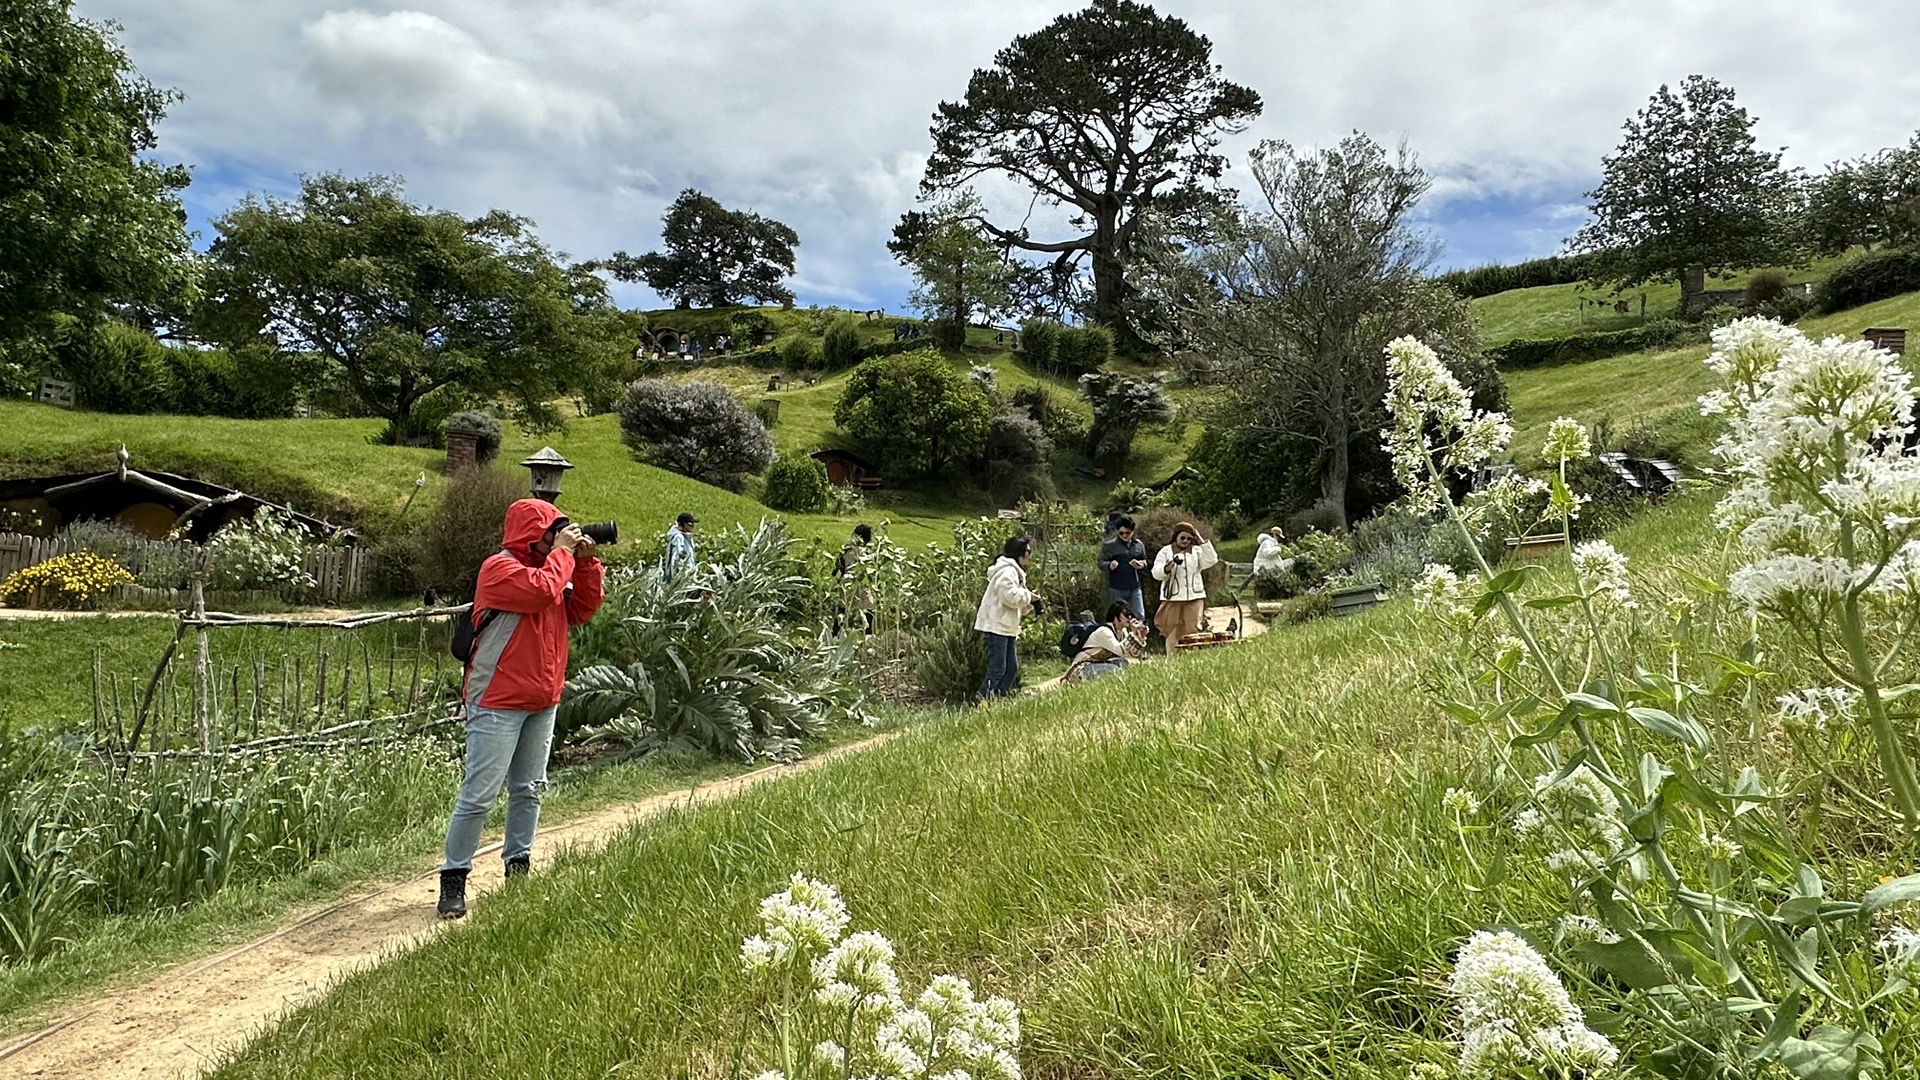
{"x": 503, "y": 747}
{"x": 1003, "y": 666}
{"x": 1133, "y": 598}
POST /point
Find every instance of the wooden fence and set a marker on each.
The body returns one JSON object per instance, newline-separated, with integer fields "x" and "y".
{"x": 339, "y": 573}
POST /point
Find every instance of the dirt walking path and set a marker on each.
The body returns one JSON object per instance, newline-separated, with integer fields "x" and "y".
{"x": 177, "y": 1023}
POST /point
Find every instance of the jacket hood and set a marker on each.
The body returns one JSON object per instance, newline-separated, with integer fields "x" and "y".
{"x": 527, "y": 524}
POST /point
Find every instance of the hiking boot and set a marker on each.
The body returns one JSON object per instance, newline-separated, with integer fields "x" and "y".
{"x": 519, "y": 866}
{"x": 453, "y": 894}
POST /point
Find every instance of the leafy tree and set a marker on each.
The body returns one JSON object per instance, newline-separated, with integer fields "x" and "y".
{"x": 914, "y": 412}
{"x": 1121, "y": 407}
{"x": 1686, "y": 185}
{"x": 957, "y": 271}
{"x": 714, "y": 257}
{"x": 84, "y": 220}
{"x": 1869, "y": 201}
{"x": 1017, "y": 457}
{"x": 1289, "y": 309}
{"x": 405, "y": 300}
{"x": 698, "y": 429}
{"x": 840, "y": 345}
{"x": 1111, "y": 111}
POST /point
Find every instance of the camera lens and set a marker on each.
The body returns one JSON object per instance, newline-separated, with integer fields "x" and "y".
{"x": 602, "y": 533}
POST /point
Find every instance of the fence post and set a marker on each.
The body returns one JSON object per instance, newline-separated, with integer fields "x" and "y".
{"x": 201, "y": 659}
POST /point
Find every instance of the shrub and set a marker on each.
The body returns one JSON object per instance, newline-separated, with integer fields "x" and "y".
{"x": 1080, "y": 349}
{"x": 254, "y": 383}
{"x": 697, "y": 429}
{"x": 704, "y": 661}
{"x": 840, "y": 348}
{"x": 747, "y": 327}
{"x": 1488, "y": 280}
{"x": 1017, "y": 457}
{"x": 483, "y": 424}
{"x": 77, "y": 579}
{"x": 1390, "y": 548}
{"x": 799, "y": 353}
{"x": 1578, "y": 348}
{"x": 914, "y": 412}
{"x": 114, "y": 368}
{"x": 464, "y": 529}
{"x": 1865, "y": 278}
{"x": 1064, "y": 425}
{"x": 1039, "y": 339}
{"x": 891, "y": 348}
{"x": 949, "y": 659}
{"x": 262, "y": 552}
{"x": 798, "y": 484}
{"x": 1766, "y": 286}
{"x": 1121, "y": 407}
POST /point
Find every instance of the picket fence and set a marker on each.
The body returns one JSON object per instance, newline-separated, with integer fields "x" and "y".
{"x": 339, "y": 574}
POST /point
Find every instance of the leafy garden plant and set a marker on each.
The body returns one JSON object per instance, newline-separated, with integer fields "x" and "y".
{"x": 1703, "y": 794}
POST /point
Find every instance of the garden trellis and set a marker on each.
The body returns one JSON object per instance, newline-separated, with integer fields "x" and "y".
{"x": 329, "y": 683}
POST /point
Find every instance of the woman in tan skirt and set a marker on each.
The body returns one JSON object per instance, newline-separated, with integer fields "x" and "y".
{"x": 1183, "y": 591}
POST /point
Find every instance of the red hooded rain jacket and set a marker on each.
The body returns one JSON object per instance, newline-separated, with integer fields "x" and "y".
{"x": 520, "y": 659}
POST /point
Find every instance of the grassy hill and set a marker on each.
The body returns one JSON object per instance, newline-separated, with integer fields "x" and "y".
{"x": 1178, "y": 872}
{"x": 1659, "y": 388}
{"x": 1552, "y": 311}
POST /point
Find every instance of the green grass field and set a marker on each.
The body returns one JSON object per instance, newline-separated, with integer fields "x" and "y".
{"x": 1234, "y": 864}
{"x": 1552, "y": 311}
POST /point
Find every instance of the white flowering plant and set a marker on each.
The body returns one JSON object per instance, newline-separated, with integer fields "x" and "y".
{"x": 1690, "y": 890}
{"x": 838, "y": 1011}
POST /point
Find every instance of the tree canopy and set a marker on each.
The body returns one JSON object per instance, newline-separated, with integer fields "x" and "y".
{"x": 406, "y": 301}
{"x": 956, "y": 270}
{"x": 85, "y": 220}
{"x": 1288, "y": 310}
{"x": 1687, "y": 185}
{"x": 1109, "y": 111}
{"x": 714, "y": 257}
{"x": 1868, "y": 201}
{"x": 914, "y": 412}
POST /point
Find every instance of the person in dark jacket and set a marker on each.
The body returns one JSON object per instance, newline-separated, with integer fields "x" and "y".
{"x": 544, "y": 580}
{"x": 1122, "y": 557}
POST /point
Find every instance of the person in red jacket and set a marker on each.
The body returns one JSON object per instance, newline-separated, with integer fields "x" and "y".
{"x": 544, "y": 580}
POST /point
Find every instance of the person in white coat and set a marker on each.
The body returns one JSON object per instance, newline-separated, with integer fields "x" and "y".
{"x": 1007, "y": 598}
{"x": 1268, "y": 557}
{"x": 1183, "y": 590}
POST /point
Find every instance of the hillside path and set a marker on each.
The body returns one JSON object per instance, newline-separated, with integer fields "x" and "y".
{"x": 179, "y": 1021}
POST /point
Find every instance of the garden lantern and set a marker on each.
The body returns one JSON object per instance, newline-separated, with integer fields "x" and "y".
{"x": 547, "y": 467}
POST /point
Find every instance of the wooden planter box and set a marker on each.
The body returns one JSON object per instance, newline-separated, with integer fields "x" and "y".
{"x": 1355, "y": 600}
{"x": 1536, "y": 546}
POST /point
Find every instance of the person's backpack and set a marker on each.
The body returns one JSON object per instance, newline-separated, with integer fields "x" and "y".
{"x": 1075, "y": 638}
{"x": 465, "y": 634}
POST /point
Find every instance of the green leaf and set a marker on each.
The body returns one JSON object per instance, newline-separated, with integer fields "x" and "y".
{"x": 1785, "y": 1023}
{"x": 1661, "y": 722}
{"x": 1508, "y": 580}
{"x": 1895, "y": 693}
{"x": 1637, "y": 963}
{"x": 1580, "y": 701}
{"x": 1887, "y": 894}
{"x": 1830, "y": 1053}
{"x": 1544, "y": 735}
{"x": 1545, "y": 603}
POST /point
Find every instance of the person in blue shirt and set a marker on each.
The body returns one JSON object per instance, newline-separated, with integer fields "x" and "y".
{"x": 680, "y": 547}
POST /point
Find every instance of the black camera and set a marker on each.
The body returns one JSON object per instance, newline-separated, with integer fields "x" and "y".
{"x": 600, "y": 532}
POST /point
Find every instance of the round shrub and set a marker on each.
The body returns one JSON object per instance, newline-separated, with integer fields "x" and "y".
{"x": 797, "y": 485}
{"x": 799, "y": 353}
{"x": 1766, "y": 286}
{"x": 697, "y": 429}
{"x": 448, "y": 548}
{"x": 949, "y": 659}
{"x": 840, "y": 348}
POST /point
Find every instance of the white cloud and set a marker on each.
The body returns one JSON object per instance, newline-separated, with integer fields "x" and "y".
{"x": 589, "y": 116}
{"x": 417, "y": 66}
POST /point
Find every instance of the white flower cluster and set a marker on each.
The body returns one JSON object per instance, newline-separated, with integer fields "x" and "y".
{"x": 1518, "y": 1018}
{"x": 1578, "y": 817}
{"x": 1602, "y": 572}
{"x": 1817, "y": 705}
{"x": 805, "y": 918}
{"x": 944, "y": 1034}
{"x": 1816, "y": 433}
{"x": 1576, "y": 930}
{"x": 1431, "y": 416}
{"x": 1567, "y": 440}
{"x": 1901, "y": 947}
{"x": 1439, "y": 589}
{"x": 1461, "y": 802}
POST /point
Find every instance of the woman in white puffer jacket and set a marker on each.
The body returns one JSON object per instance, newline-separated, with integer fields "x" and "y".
{"x": 1007, "y": 598}
{"x": 1180, "y": 568}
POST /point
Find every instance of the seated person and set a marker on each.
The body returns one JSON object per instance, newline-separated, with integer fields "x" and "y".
{"x": 1112, "y": 644}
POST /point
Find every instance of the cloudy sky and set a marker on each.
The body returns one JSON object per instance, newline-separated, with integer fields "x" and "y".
{"x": 589, "y": 116}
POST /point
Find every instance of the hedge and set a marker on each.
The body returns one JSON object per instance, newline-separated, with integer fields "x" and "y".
{"x": 1497, "y": 278}
{"x": 1576, "y": 348}
{"x": 1875, "y": 275}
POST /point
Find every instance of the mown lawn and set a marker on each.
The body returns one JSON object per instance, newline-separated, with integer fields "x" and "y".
{"x": 1235, "y": 864}
{"x": 1551, "y": 311}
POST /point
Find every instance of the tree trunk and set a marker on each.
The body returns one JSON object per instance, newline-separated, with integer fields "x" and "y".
{"x": 1338, "y": 466}
{"x": 1110, "y": 289}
